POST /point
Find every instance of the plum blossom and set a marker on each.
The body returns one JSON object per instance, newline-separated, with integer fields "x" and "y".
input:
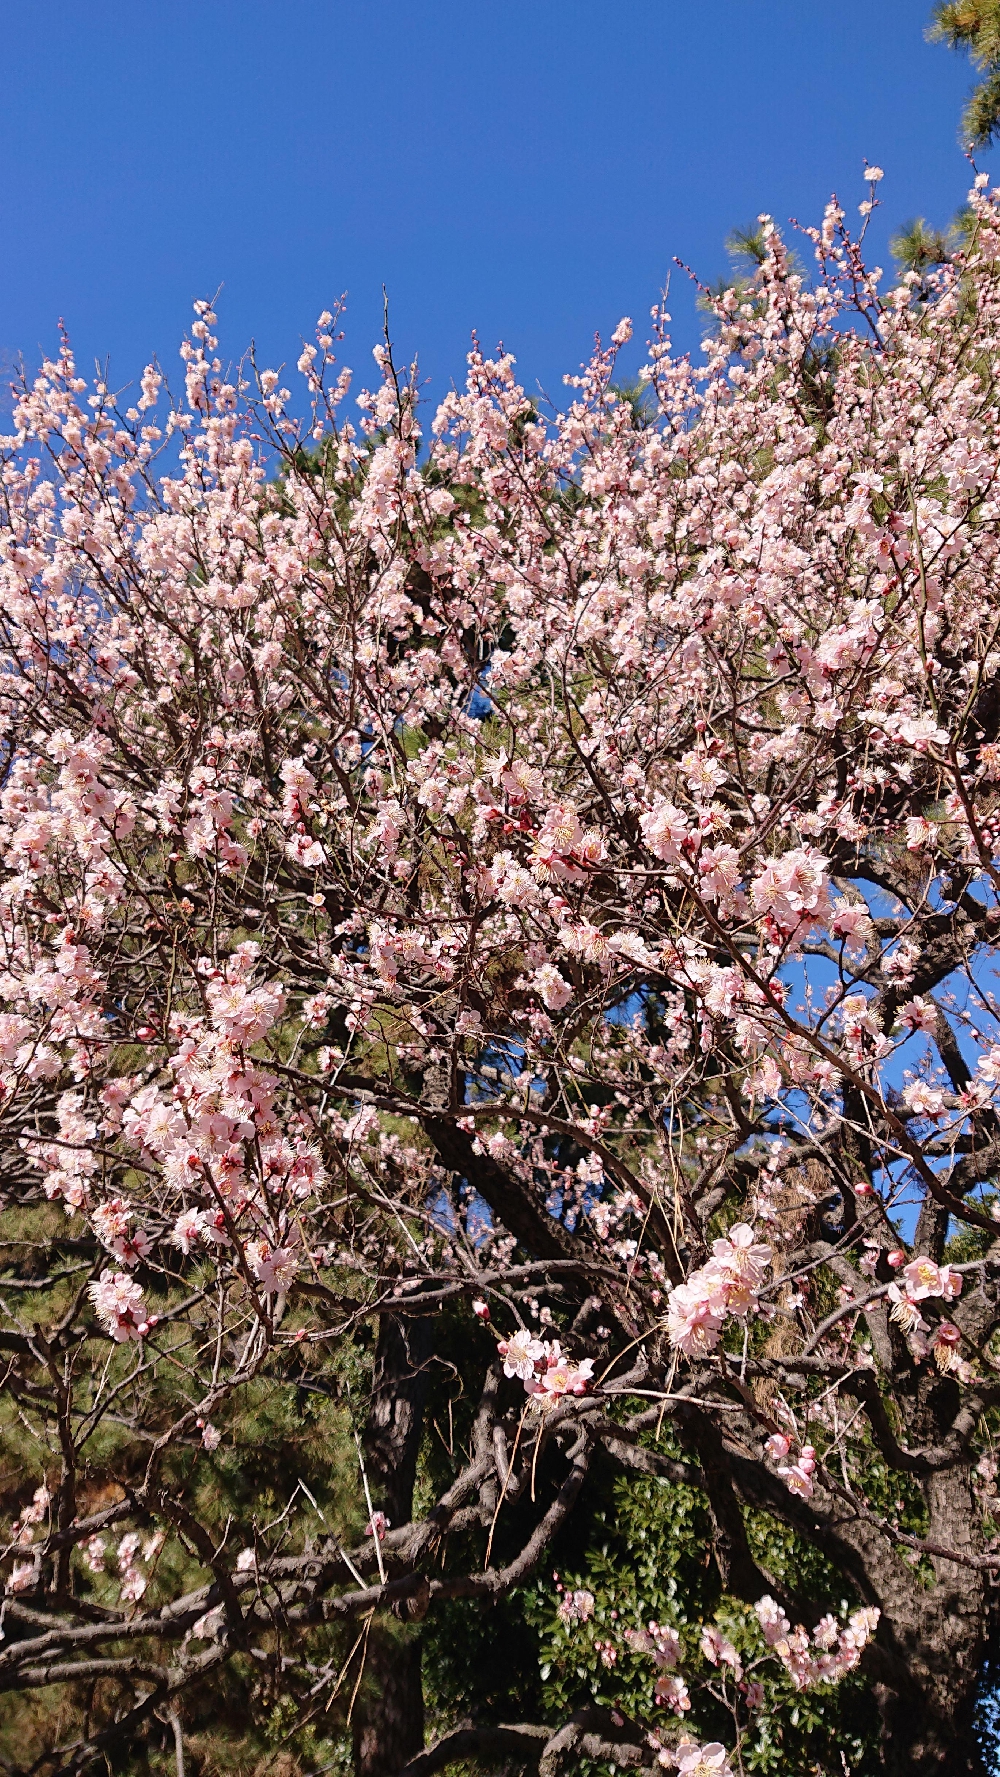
{"x": 792, "y": 890}
{"x": 667, "y": 833}
{"x": 672, "y": 1693}
{"x": 658, "y": 1640}
{"x": 852, "y": 922}
{"x": 798, "y": 1475}
{"x": 923, "y": 1279}
{"x": 262, "y": 849}
{"x": 547, "y": 1373}
{"x": 696, "y": 1313}
{"x": 718, "y": 1650}
{"x": 554, "y": 989}
{"x": 520, "y": 1355}
{"x": 709, "y": 1760}
{"x": 121, "y": 1306}
{"x": 189, "y": 1229}
{"x": 924, "y": 1100}
{"x": 276, "y": 1267}
{"x": 576, "y": 1607}
{"x": 559, "y": 1377}
{"x": 111, "y": 1221}
{"x": 94, "y": 1553}
{"x": 728, "y": 1285}
{"x": 24, "y": 1576}
{"x": 830, "y": 1654}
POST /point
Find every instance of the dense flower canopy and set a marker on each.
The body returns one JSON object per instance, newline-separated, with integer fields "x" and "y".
{"x": 553, "y": 861}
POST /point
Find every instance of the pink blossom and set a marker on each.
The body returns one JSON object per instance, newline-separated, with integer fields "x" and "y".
{"x": 133, "y": 1586}
{"x": 520, "y": 1354}
{"x": 793, "y": 889}
{"x": 728, "y": 1284}
{"x": 709, "y": 1760}
{"x": 666, "y": 832}
{"x": 554, "y": 989}
{"x": 798, "y": 1476}
{"x": 121, "y": 1306}
{"x": 924, "y": 1279}
{"x": 576, "y": 1607}
{"x": 250, "y": 686}
{"x": 189, "y": 1228}
{"x": 672, "y": 1693}
{"x": 276, "y": 1267}
{"x": 719, "y": 1651}
{"x": 559, "y": 1377}
{"x": 924, "y": 1100}
{"x": 94, "y": 1553}
{"x": 696, "y": 1312}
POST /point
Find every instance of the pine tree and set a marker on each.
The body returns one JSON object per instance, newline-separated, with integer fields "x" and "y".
{"x": 974, "y": 25}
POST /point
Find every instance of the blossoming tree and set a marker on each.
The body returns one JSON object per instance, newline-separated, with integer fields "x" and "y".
{"x": 553, "y": 871}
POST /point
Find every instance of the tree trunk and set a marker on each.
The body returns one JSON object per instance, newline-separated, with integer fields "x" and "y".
{"x": 389, "y": 1719}
{"x": 924, "y": 1738}
{"x": 940, "y": 1632}
{"x": 389, "y": 1723}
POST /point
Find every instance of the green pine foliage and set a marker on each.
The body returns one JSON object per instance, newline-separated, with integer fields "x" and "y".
{"x": 974, "y": 25}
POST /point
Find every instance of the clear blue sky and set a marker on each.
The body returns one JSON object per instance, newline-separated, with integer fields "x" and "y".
{"x": 528, "y": 169}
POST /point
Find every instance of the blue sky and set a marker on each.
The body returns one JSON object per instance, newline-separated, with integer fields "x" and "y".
{"x": 526, "y": 169}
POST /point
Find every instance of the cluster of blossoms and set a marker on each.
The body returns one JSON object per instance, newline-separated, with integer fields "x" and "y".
{"x": 24, "y": 1575}
{"x": 923, "y": 1281}
{"x": 576, "y": 1606}
{"x": 663, "y": 1645}
{"x": 690, "y": 1759}
{"x": 111, "y": 1222}
{"x": 120, "y": 1305}
{"x": 797, "y": 1475}
{"x": 131, "y": 1550}
{"x": 547, "y": 1373}
{"x": 23, "y": 1530}
{"x": 728, "y": 1285}
{"x": 830, "y": 1654}
{"x": 215, "y": 1140}
{"x": 827, "y": 1657}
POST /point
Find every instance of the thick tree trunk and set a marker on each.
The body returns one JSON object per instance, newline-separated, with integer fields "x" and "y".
{"x": 940, "y": 1638}
{"x": 926, "y": 1738}
{"x": 929, "y": 1727}
{"x": 389, "y": 1720}
{"x": 389, "y": 1725}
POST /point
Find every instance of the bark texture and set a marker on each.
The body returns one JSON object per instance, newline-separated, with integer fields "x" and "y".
{"x": 389, "y": 1720}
